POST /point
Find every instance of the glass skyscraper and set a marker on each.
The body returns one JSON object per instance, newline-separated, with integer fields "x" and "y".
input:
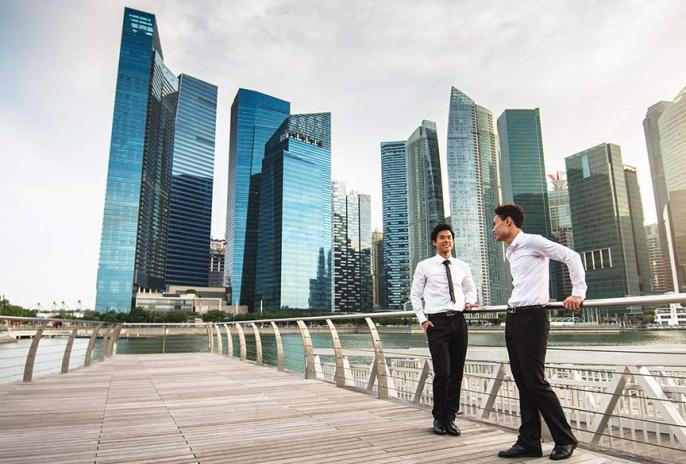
{"x": 294, "y": 256}
{"x": 561, "y": 231}
{"x": 190, "y": 212}
{"x": 396, "y": 248}
{"x": 639, "y": 234}
{"x": 424, "y": 191}
{"x": 601, "y": 219}
{"x": 352, "y": 222}
{"x": 474, "y": 193}
{"x": 254, "y": 118}
{"x": 522, "y": 167}
{"x": 138, "y": 197}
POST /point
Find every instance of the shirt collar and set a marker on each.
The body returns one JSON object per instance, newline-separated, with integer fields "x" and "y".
{"x": 440, "y": 258}
{"x": 516, "y": 242}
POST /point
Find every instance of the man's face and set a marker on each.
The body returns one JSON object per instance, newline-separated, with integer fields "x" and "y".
{"x": 443, "y": 242}
{"x": 501, "y": 228}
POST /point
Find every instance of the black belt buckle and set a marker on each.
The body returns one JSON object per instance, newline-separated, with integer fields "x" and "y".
{"x": 511, "y": 310}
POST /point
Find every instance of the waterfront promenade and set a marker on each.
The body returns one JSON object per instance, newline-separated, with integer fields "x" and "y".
{"x": 207, "y": 408}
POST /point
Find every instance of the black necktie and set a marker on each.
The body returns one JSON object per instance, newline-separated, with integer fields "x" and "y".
{"x": 446, "y": 263}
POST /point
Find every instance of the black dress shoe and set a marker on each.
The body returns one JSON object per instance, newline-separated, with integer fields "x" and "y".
{"x": 452, "y": 429}
{"x": 562, "y": 452}
{"x": 439, "y": 427}
{"x": 518, "y": 451}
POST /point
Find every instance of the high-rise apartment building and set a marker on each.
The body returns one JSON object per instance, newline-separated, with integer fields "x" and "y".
{"x": 254, "y": 119}
{"x": 396, "y": 247}
{"x": 473, "y": 182}
{"x": 294, "y": 257}
{"x": 424, "y": 191}
{"x": 352, "y": 250}
{"x": 145, "y": 205}
{"x": 601, "y": 219}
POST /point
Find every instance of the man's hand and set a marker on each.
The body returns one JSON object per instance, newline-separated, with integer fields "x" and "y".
{"x": 470, "y": 306}
{"x": 426, "y": 325}
{"x": 573, "y": 303}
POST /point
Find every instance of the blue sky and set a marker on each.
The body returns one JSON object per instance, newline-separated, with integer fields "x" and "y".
{"x": 592, "y": 67}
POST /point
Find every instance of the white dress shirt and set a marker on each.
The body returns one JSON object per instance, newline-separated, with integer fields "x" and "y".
{"x": 430, "y": 293}
{"x": 528, "y": 255}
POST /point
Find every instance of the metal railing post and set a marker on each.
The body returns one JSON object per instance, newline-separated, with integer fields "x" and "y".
{"x": 67, "y": 351}
{"x": 258, "y": 343}
{"x": 91, "y": 345}
{"x": 279, "y": 347}
{"x": 308, "y": 352}
{"x": 31, "y": 355}
{"x": 379, "y": 361}
{"x": 220, "y": 346}
{"x": 241, "y": 341}
{"x": 210, "y": 338}
{"x": 339, "y": 374}
{"x": 229, "y": 342}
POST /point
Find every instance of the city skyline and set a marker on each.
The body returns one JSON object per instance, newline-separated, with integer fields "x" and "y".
{"x": 62, "y": 211}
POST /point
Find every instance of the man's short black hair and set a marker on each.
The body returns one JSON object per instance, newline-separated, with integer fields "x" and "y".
{"x": 439, "y": 228}
{"x": 513, "y": 211}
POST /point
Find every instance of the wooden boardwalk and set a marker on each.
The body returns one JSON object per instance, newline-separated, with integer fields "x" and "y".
{"x": 203, "y": 408}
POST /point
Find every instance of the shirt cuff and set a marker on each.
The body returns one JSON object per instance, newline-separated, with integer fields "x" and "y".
{"x": 421, "y": 317}
{"x": 579, "y": 292}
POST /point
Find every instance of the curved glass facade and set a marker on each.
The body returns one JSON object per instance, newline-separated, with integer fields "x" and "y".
{"x": 254, "y": 118}
{"x": 190, "y": 211}
{"x": 293, "y": 268}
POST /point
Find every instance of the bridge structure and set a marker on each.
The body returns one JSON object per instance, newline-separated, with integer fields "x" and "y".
{"x": 295, "y": 390}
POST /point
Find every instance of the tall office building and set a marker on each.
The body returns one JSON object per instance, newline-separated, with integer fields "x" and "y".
{"x": 657, "y": 171}
{"x": 601, "y": 218}
{"x": 141, "y": 192}
{"x": 216, "y": 271}
{"x": 657, "y": 268}
{"x": 352, "y": 250}
{"x": 639, "y": 235}
{"x": 474, "y": 193}
{"x": 561, "y": 232}
{"x": 190, "y": 210}
{"x": 378, "y": 278}
{"x": 254, "y": 119}
{"x": 672, "y": 135}
{"x": 294, "y": 257}
{"x": 396, "y": 247}
{"x": 424, "y": 191}
{"x": 522, "y": 167}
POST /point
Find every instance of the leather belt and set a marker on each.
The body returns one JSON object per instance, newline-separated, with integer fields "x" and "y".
{"x": 524, "y": 309}
{"x": 444, "y": 314}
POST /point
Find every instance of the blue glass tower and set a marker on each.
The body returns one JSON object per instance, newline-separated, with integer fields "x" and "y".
{"x": 254, "y": 118}
{"x": 293, "y": 269}
{"x": 136, "y": 200}
{"x": 396, "y": 245}
{"x": 190, "y": 211}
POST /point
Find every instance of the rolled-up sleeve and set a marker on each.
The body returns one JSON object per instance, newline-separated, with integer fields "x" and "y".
{"x": 565, "y": 255}
{"x": 417, "y": 292}
{"x": 469, "y": 287}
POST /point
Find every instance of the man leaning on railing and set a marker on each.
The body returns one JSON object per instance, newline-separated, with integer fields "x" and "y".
{"x": 527, "y": 327}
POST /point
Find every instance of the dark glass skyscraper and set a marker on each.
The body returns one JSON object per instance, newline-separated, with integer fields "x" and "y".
{"x": 601, "y": 220}
{"x": 639, "y": 233}
{"x": 135, "y": 231}
{"x": 396, "y": 248}
{"x": 522, "y": 167}
{"x": 424, "y": 191}
{"x": 293, "y": 268}
{"x": 190, "y": 212}
{"x": 254, "y": 118}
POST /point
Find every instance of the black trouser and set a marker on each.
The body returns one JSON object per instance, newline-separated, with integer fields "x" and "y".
{"x": 526, "y": 335}
{"x": 448, "y": 346}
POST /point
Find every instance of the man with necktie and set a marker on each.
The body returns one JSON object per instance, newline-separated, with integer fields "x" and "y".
{"x": 442, "y": 288}
{"x": 527, "y": 327}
